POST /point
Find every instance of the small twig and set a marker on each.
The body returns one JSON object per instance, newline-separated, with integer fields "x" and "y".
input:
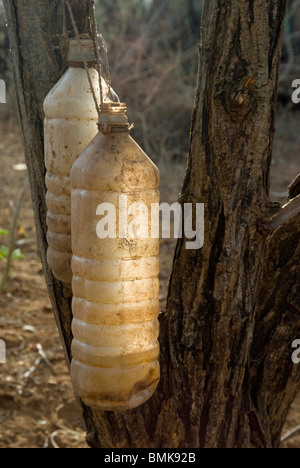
{"x": 64, "y": 431}
{"x": 294, "y": 188}
{"x": 290, "y": 434}
{"x": 21, "y": 242}
{"x": 32, "y": 368}
{"x": 42, "y": 356}
{"x": 52, "y": 438}
{"x": 46, "y": 443}
{"x": 11, "y": 242}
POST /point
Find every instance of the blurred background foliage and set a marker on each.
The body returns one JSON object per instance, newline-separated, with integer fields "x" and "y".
{"x": 153, "y": 55}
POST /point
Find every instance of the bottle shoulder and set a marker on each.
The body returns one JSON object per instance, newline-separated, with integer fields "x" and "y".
{"x": 71, "y": 97}
{"x": 114, "y": 162}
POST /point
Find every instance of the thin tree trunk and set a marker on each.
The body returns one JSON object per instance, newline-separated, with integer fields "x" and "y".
{"x": 233, "y": 307}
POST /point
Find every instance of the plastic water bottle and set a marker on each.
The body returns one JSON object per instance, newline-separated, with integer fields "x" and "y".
{"x": 115, "y": 269}
{"x": 70, "y": 125}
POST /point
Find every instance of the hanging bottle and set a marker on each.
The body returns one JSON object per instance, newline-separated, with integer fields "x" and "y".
{"x": 115, "y": 269}
{"x": 70, "y": 125}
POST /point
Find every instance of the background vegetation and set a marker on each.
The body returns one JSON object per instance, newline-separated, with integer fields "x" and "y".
{"x": 153, "y": 47}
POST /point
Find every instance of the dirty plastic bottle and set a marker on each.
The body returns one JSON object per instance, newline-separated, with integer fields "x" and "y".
{"x": 70, "y": 125}
{"x": 115, "y": 278}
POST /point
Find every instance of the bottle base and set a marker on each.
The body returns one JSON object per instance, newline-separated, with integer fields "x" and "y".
{"x": 135, "y": 400}
{"x": 115, "y": 389}
{"x": 60, "y": 265}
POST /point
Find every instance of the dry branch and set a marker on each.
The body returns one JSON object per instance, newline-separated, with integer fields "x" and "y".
{"x": 288, "y": 211}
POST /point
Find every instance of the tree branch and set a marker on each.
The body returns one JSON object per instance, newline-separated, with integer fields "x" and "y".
{"x": 294, "y": 188}
{"x": 274, "y": 378}
{"x": 285, "y": 214}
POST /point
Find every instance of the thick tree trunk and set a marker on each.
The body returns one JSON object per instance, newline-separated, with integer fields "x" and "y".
{"x": 233, "y": 308}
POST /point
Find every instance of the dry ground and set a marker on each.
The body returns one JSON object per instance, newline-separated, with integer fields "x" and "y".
{"x": 37, "y": 406}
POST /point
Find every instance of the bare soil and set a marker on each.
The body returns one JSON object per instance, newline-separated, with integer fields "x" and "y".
{"x": 37, "y": 405}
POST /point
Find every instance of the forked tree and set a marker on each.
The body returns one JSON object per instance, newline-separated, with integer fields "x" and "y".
{"x": 233, "y": 307}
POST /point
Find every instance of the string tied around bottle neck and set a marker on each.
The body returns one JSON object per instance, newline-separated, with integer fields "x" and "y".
{"x": 96, "y": 38}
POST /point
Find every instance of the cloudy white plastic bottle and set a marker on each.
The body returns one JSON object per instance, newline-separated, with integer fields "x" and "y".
{"x": 115, "y": 279}
{"x": 70, "y": 125}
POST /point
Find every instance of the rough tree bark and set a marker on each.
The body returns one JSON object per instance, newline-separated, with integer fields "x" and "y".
{"x": 233, "y": 307}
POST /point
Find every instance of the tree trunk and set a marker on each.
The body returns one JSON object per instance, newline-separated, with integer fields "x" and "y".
{"x": 233, "y": 307}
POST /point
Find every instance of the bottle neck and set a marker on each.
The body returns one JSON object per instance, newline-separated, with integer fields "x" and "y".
{"x": 78, "y": 51}
{"x": 81, "y": 64}
{"x": 113, "y": 118}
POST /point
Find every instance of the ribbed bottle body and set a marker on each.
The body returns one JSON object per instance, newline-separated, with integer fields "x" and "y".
{"x": 115, "y": 279}
{"x": 70, "y": 125}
